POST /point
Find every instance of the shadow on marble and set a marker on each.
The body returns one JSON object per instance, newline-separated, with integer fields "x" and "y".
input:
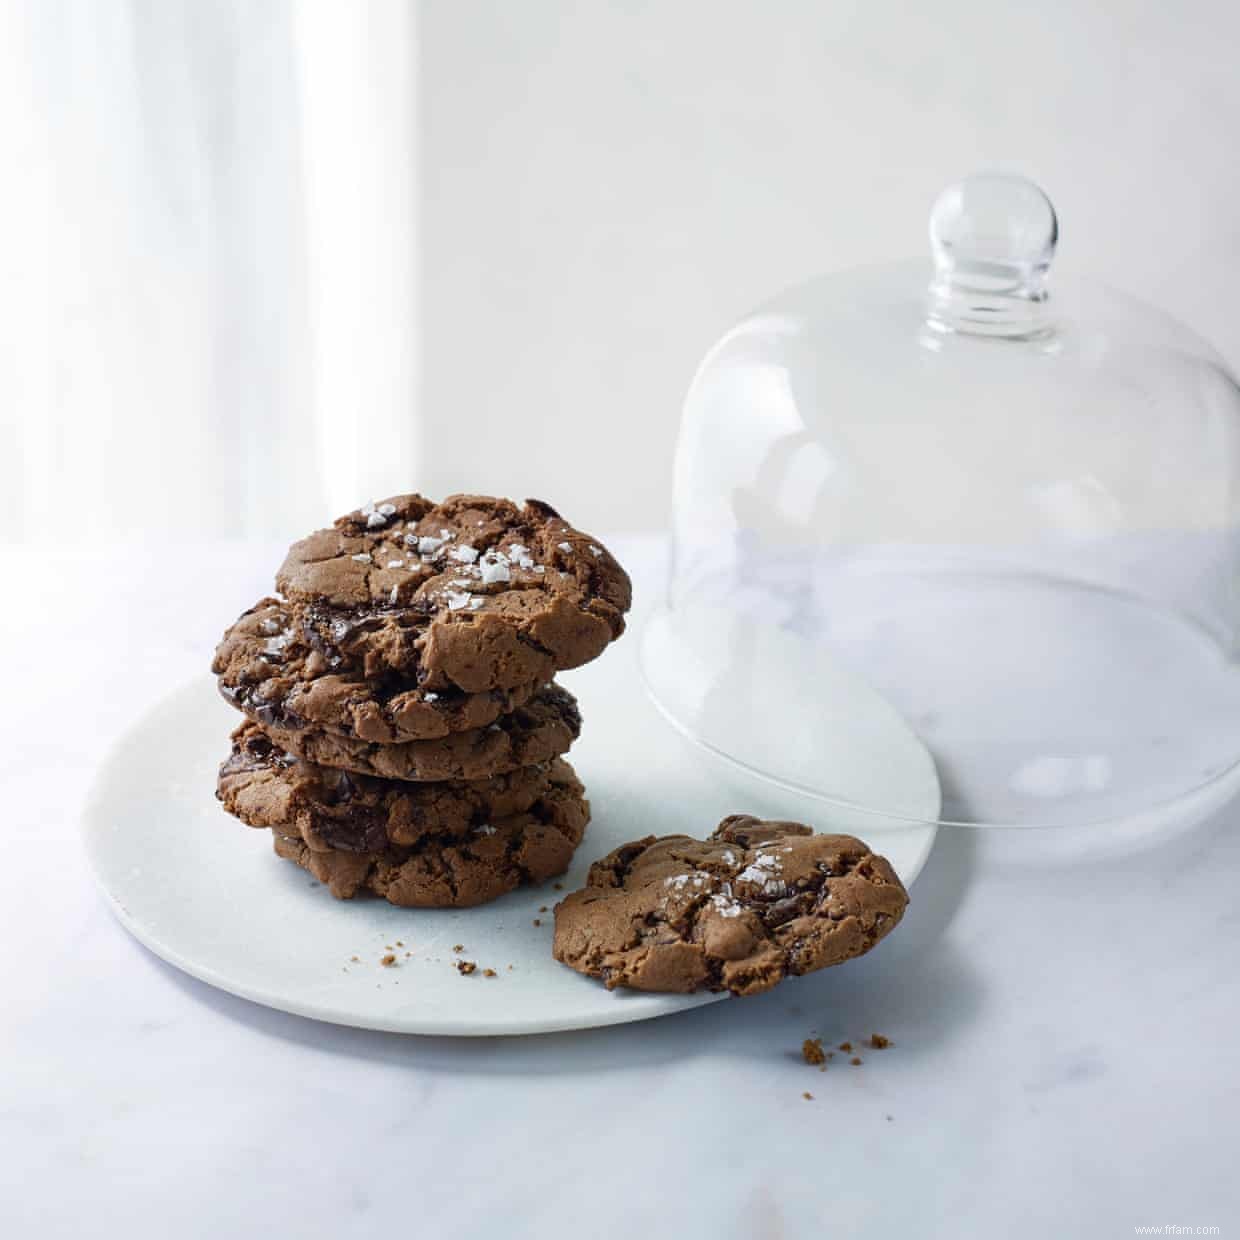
{"x": 914, "y": 988}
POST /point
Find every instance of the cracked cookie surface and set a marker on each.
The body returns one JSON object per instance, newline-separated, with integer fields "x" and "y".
{"x": 756, "y": 901}
{"x": 474, "y": 593}
{"x": 444, "y": 872}
{"x": 270, "y": 671}
{"x": 543, "y": 728}
{"x": 332, "y": 809}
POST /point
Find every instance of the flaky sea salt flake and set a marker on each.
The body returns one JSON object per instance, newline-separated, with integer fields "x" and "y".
{"x": 759, "y": 870}
{"x": 696, "y": 879}
{"x": 519, "y": 554}
{"x": 494, "y": 569}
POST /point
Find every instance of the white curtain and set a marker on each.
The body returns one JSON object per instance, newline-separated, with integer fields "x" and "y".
{"x": 207, "y": 264}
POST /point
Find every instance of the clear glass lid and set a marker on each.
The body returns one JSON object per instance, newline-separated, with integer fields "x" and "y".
{"x": 965, "y": 513}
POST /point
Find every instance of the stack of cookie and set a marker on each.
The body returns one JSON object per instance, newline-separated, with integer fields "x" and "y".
{"x": 404, "y": 734}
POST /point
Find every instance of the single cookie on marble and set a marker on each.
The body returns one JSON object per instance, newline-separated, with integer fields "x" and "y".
{"x": 332, "y": 809}
{"x": 473, "y": 593}
{"x": 543, "y": 728}
{"x": 268, "y": 670}
{"x": 449, "y": 872}
{"x": 738, "y": 911}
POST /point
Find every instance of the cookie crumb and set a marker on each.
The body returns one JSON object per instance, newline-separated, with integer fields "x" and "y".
{"x": 460, "y": 947}
{"x": 845, "y": 1047}
{"x": 353, "y": 958}
{"x": 489, "y": 973}
{"x": 388, "y": 961}
{"x": 542, "y": 908}
{"x": 878, "y": 1042}
{"x": 808, "y": 1096}
{"x": 856, "y": 1063}
{"x": 538, "y": 921}
{"x": 812, "y": 1052}
{"x": 399, "y": 943}
{"x": 465, "y": 967}
{"x": 558, "y": 886}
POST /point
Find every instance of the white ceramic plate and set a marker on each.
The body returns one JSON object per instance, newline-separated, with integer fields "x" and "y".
{"x": 209, "y": 895}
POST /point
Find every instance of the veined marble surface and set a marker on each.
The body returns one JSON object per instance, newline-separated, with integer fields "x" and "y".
{"x": 1064, "y": 1055}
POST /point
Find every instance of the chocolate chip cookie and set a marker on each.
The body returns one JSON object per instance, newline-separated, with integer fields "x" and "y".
{"x": 270, "y": 671}
{"x": 541, "y": 729}
{"x": 739, "y": 911}
{"x": 450, "y": 872}
{"x": 331, "y": 809}
{"x": 473, "y": 593}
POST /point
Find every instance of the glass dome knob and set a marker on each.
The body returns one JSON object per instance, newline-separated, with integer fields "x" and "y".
{"x": 993, "y": 237}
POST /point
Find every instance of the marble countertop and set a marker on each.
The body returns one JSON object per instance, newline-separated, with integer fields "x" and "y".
{"x": 1064, "y": 1055}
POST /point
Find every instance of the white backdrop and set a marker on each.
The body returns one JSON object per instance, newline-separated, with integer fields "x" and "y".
{"x": 261, "y": 261}
{"x": 209, "y": 263}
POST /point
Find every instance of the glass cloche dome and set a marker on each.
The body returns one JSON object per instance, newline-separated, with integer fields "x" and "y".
{"x": 965, "y": 503}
